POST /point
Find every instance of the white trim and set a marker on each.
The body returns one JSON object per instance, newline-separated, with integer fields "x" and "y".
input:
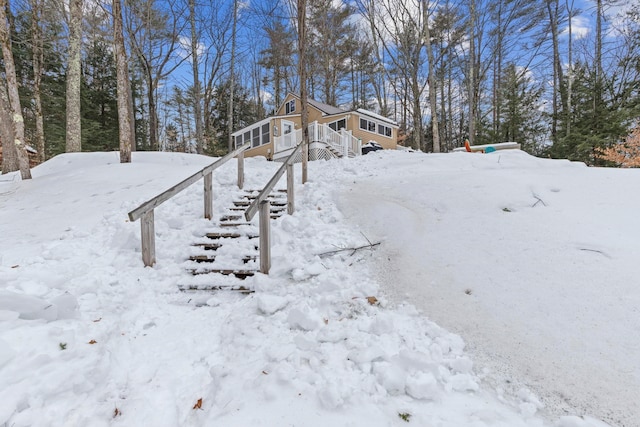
{"x": 377, "y": 116}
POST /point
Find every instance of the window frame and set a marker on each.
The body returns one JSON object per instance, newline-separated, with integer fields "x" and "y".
{"x": 290, "y": 107}
{"x": 374, "y": 126}
{"x": 335, "y": 124}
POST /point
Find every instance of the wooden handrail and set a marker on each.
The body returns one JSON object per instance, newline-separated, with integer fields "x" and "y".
{"x": 261, "y": 203}
{"x": 253, "y": 207}
{"x": 153, "y": 203}
{"x": 145, "y": 210}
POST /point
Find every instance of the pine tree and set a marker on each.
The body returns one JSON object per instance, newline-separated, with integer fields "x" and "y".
{"x": 243, "y": 110}
{"x": 276, "y": 59}
{"x": 594, "y": 125}
{"x": 332, "y": 41}
{"x": 99, "y": 98}
{"x": 521, "y": 119}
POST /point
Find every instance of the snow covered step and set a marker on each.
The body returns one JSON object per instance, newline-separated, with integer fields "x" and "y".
{"x": 207, "y": 246}
{"x": 239, "y": 273}
{"x": 204, "y": 258}
{"x": 230, "y": 235}
{"x": 237, "y": 288}
{"x": 245, "y": 203}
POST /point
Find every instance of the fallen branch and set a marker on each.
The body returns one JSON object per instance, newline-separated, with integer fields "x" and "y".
{"x": 539, "y": 201}
{"x": 353, "y": 250}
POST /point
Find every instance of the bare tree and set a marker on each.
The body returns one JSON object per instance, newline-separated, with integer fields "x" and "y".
{"x": 197, "y": 91}
{"x": 302, "y": 71}
{"x": 74, "y": 128}
{"x": 15, "y": 109}
{"x": 38, "y": 69}
{"x": 232, "y": 73}
{"x": 154, "y": 34}
{"x": 125, "y": 101}
{"x": 431, "y": 77}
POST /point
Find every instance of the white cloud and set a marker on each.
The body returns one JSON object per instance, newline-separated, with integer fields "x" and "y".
{"x": 580, "y": 27}
{"x": 185, "y": 48}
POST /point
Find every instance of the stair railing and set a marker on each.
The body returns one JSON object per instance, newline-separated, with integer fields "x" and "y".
{"x": 262, "y": 204}
{"x": 145, "y": 210}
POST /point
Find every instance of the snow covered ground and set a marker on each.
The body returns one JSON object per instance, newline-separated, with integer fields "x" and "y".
{"x": 532, "y": 263}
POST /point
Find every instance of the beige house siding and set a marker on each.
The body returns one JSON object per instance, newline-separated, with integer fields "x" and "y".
{"x": 263, "y": 150}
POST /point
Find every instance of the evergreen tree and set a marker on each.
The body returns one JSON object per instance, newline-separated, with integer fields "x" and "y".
{"x": 521, "y": 120}
{"x": 244, "y": 115}
{"x": 594, "y": 125}
{"x": 332, "y": 41}
{"x": 277, "y": 60}
{"x": 99, "y": 98}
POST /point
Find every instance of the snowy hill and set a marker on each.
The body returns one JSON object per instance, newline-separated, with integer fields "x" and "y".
{"x": 532, "y": 263}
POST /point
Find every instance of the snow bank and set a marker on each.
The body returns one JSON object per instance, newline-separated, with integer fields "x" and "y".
{"x": 88, "y": 336}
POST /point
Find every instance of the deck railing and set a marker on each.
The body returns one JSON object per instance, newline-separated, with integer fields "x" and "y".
{"x": 144, "y": 212}
{"x": 341, "y": 141}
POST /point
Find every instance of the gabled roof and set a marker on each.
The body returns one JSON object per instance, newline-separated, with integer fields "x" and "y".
{"x": 325, "y": 109}
{"x": 330, "y": 110}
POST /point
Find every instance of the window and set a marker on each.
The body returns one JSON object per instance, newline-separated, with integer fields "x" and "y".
{"x": 375, "y": 127}
{"x": 338, "y": 124}
{"x": 256, "y": 137}
{"x": 384, "y": 130}
{"x": 290, "y": 107}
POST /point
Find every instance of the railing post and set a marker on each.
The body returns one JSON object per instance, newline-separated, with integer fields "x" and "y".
{"x": 290, "y": 199}
{"x": 208, "y": 195}
{"x": 265, "y": 237}
{"x": 148, "y": 236}
{"x": 316, "y": 131}
{"x": 241, "y": 170}
{"x": 343, "y": 139}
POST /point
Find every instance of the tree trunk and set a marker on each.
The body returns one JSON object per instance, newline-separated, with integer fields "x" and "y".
{"x": 15, "y": 110}
{"x": 125, "y": 103}
{"x": 558, "y": 81}
{"x": 197, "y": 96}
{"x": 153, "y": 113}
{"x": 431, "y": 80}
{"x": 472, "y": 73}
{"x": 9, "y": 153}
{"x": 38, "y": 62}
{"x": 232, "y": 82}
{"x": 73, "y": 140}
{"x": 569, "y": 68}
{"x": 302, "y": 71}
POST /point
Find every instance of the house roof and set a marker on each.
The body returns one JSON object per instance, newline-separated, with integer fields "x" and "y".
{"x": 325, "y": 109}
{"x": 329, "y": 110}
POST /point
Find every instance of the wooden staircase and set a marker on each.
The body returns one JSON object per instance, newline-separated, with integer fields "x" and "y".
{"x": 228, "y": 254}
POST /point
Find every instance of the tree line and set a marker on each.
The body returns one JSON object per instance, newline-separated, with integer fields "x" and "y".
{"x": 181, "y": 75}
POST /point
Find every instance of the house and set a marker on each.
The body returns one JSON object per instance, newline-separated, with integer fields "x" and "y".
{"x": 333, "y": 132}
{"x": 31, "y": 152}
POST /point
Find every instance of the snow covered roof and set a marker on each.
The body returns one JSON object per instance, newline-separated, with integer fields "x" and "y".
{"x": 376, "y": 116}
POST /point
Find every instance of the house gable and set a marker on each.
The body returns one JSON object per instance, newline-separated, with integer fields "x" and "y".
{"x": 291, "y": 105}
